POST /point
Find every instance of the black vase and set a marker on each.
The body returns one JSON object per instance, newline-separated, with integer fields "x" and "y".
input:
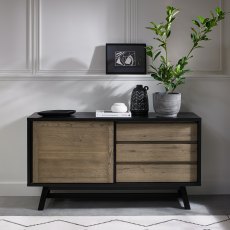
{"x": 139, "y": 101}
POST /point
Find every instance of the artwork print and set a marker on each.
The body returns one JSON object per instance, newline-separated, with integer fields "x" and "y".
{"x": 125, "y": 58}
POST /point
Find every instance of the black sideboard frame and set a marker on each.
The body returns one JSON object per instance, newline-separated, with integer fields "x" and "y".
{"x": 47, "y": 188}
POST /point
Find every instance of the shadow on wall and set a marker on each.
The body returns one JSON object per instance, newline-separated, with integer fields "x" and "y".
{"x": 98, "y": 60}
{"x": 103, "y": 96}
{"x": 82, "y": 95}
{"x": 70, "y": 64}
{"x": 97, "y": 63}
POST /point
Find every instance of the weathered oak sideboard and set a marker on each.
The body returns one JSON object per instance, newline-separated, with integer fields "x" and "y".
{"x": 82, "y": 152}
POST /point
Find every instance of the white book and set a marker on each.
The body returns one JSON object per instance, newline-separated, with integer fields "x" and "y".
{"x": 109, "y": 113}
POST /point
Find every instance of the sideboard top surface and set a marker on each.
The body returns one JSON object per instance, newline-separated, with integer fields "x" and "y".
{"x": 81, "y": 116}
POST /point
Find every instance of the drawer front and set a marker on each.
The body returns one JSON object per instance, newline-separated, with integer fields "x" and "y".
{"x": 72, "y": 152}
{"x": 157, "y": 132}
{"x": 156, "y": 153}
{"x": 156, "y": 173}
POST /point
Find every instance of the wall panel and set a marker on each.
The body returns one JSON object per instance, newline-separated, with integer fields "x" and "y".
{"x": 15, "y": 42}
{"x": 73, "y": 33}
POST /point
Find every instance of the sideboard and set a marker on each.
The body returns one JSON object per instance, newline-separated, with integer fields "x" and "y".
{"x": 82, "y": 152}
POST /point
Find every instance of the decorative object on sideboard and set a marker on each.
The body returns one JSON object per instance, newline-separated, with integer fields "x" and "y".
{"x": 109, "y": 113}
{"x": 56, "y": 113}
{"x": 119, "y": 108}
{"x": 139, "y": 101}
{"x": 167, "y": 105}
{"x": 172, "y": 75}
{"x": 125, "y": 58}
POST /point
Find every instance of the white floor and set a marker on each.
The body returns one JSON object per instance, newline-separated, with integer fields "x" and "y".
{"x": 207, "y": 213}
{"x": 200, "y": 205}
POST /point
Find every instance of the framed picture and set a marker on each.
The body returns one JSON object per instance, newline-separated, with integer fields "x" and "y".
{"x": 125, "y": 58}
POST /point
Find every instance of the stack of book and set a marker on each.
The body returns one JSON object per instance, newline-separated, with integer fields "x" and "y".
{"x": 109, "y": 113}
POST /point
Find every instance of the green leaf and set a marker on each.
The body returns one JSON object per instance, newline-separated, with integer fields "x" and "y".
{"x": 206, "y": 20}
{"x": 154, "y": 68}
{"x": 150, "y": 28}
{"x": 194, "y": 30}
{"x": 168, "y": 34}
{"x": 149, "y": 53}
{"x": 172, "y": 19}
{"x": 163, "y": 59}
{"x": 218, "y": 10}
{"x": 201, "y": 19}
{"x": 153, "y": 23}
{"x": 169, "y": 18}
{"x": 195, "y": 22}
{"x": 155, "y": 57}
{"x": 175, "y": 12}
{"x": 156, "y": 77}
{"x": 213, "y": 16}
{"x": 160, "y": 40}
{"x": 169, "y": 9}
{"x": 193, "y": 36}
{"x": 178, "y": 68}
{"x": 149, "y": 47}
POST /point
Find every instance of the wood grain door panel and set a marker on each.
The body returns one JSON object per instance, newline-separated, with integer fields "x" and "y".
{"x": 72, "y": 152}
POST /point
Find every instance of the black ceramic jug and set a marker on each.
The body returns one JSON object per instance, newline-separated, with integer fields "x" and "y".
{"x": 139, "y": 101}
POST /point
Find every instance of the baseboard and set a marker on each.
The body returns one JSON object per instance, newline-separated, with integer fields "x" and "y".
{"x": 208, "y": 191}
{"x": 18, "y": 189}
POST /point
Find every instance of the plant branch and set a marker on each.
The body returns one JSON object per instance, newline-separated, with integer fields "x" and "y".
{"x": 204, "y": 27}
{"x": 169, "y": 75}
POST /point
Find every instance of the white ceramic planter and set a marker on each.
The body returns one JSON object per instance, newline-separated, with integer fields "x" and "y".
{"x": 167, "y": 104}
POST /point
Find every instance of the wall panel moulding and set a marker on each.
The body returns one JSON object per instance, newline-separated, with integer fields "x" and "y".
{"x": 66, "y": 45}
{"x": 16, "y": 38}
{"x": 68, "y": 40}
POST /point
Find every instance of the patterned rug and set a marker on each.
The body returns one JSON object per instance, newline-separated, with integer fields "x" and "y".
{"x": 115, "y": 223}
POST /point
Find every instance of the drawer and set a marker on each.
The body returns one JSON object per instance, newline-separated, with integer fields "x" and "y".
{"x": 157, "y": 132}
{"x": 156, "y": 153}
{"x": 156, "y": 173}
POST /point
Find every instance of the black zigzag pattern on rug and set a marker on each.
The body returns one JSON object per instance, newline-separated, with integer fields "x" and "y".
{"x": 116, "y": 220}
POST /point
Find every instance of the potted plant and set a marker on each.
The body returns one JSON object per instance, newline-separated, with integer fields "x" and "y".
{"x": 167, "y": 104}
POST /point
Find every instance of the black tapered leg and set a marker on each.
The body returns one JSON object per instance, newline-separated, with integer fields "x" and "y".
{"x": 45, "y": 193}
{"x": 183, "y": 194}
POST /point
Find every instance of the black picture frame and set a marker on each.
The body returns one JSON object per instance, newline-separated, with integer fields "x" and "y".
{"x": 125, "y": 58}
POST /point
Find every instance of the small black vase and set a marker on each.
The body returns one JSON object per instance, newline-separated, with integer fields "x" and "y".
{"x": 139, "y": 101}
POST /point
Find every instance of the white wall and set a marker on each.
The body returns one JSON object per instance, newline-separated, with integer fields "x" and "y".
{"x": 52, "y": 56}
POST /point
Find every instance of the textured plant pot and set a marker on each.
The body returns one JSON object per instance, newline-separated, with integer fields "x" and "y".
{"x": 166, "y": 104}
